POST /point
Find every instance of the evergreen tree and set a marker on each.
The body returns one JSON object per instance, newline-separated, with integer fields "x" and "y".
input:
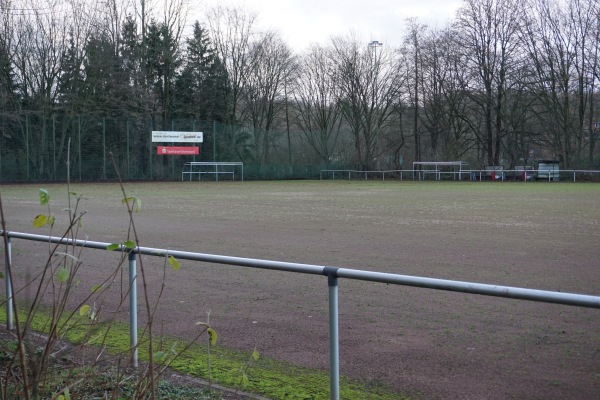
{"x": 8, "y": 94}
{"x": 201, "y": 87}
{"x": 161, "y": 60}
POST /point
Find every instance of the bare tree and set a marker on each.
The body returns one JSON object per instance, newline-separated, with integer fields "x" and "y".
{"x": 46, "y": 34}
{"x": 487, "y": 31}
{"x": 582, "y": 17}
{"x": 317, "y": 103}
{"x": 8, "y": 98}
{"x": 556, "y": 45}
{"x": 270, "y": 61}
{"x": 593, "y": 128}
{"x": 233, "y": 32}
{"x": 414, "y": 61}
{"x": 445, "y": 114}
{"x": 370, "y": 84}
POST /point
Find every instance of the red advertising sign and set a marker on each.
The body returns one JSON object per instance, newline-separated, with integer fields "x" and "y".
{"x": 177, "y": 150}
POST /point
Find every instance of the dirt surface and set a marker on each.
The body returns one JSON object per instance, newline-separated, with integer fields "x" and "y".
{"x": 423, "y": 343}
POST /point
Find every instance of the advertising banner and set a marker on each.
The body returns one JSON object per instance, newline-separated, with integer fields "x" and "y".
{"x": 176, "y": 137}
{"x": 177, "y": 150}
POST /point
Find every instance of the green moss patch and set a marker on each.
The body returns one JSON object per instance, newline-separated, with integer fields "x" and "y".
{"x": 230, "y": 368}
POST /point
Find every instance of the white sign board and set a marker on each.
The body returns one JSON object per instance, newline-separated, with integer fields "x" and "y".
{"x": 177, "y": 137}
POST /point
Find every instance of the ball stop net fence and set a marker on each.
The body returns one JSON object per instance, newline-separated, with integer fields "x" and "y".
{"x": 34, "y": 147}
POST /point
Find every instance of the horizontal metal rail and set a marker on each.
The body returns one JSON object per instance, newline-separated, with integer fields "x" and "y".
{"x": 333, "y": 274}
{"x": 463, "y": 174}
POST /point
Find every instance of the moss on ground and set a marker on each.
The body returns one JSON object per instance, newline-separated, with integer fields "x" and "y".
{"x": 267, "y": 377}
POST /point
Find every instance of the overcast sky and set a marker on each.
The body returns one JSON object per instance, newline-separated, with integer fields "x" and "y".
{"x": 302, "y": 22}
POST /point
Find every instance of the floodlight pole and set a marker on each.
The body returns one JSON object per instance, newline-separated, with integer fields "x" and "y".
{"x": 375, "y": 44}
{"x": 376, "y": 65}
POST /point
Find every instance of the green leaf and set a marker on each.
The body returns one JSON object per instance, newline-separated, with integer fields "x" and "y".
{"x": 66, "y": 396}
{"x": 113, "y": 246}
{"x": 255, "y": 355}
{"x": 245, "y": 380}
{"x": 62, "y": 275}
{"x": 67, "y": 255}
{"x": 136, "y": 203}
{"x": 40, "y": 221}
{"x": 73, "y": 193}
{"x": 212, "y": 336}
{"x": 84, "y": 310}
{"x": 95, "y": 288}
{"x": 175, "y": 264}
{"x": 44, "y": 196}
{"x": 51, "y": 220}
{"x": 129, "y": 244}
{"x": 159, "y": 356}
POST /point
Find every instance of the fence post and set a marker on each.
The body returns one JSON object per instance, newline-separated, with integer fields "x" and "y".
{"x": 54, "y": 147}
{"x": 9, "y": 291}
{"x": 214, "y": 141}
{"x": 128, "y": 149}
{"x": 133, "y": 339}
{"x": 27, "y": 145}
{"x": 79, "y": 146}
{"x": 334, "y": 342}
{"x": 103, "y": 147}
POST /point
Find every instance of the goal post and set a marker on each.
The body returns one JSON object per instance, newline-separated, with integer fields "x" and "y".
{"x": 455, "y": 169}
{"x": 227, "y": 170}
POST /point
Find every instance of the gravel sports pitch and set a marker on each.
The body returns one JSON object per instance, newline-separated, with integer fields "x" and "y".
{"x": 420, "y": 342}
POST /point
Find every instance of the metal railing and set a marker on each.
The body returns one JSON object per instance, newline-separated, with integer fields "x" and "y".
{"x": 333, "y": 275}
{"x": 463, "y": 175}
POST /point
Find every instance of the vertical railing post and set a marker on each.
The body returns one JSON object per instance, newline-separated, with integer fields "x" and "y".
{"x": 334, "y": 342}
{"x": 215, "y": 142}
{"x": 9, "y": 290}
{"x": 133, "y": 338}
{"x": 128, "y": 148}
{"x": 53, "y": 147}
{"x": 103, "y": 147}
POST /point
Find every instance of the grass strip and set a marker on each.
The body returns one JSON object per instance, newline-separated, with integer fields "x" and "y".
{"x": 231, "y": 368}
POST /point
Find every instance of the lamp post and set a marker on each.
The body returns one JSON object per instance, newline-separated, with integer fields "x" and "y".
{"x": 373, "y": 45}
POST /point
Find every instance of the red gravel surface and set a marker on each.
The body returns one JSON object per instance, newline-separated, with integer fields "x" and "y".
{"x": 423, "y": 343}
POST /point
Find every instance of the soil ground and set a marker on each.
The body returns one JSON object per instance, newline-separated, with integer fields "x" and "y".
{"x": 423, "y": 343}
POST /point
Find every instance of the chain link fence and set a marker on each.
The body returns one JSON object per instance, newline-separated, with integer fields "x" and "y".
{"x": 36, "y": 147}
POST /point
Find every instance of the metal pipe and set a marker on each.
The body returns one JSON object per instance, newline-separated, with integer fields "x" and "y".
{"x": 404, "y": 280}
{"x": 333, "y": 275}
{"x": 9, "y": 290}
{"x": 133, "y": 321}
{"x": 334, "y": 339}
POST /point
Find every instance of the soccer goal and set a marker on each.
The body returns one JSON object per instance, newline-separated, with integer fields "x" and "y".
{"x": 216, "y": 170}
{"x": 439, "y": 170}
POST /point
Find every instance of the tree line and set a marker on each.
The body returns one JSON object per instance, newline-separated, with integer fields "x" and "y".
{"x": 505, "y": 82}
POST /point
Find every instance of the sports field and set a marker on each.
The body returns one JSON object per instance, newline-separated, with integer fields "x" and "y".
{"x": 420, "y": 342}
